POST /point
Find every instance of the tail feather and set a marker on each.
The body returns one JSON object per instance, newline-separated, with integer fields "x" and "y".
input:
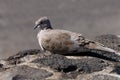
{"x": 98, "y": 46}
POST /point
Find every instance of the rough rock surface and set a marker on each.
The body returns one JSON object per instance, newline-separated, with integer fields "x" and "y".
{"x": 36, "y": 65}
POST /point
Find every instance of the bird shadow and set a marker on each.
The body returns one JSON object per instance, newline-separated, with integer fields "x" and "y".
{"x": 110, "y": 56}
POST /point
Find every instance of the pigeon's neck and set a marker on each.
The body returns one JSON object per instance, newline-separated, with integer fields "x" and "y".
{"x": 44, "y": 29}
{"x": 47, "y": 28}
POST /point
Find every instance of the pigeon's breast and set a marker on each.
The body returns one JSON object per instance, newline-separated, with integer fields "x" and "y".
{"x": 56, "y": 41}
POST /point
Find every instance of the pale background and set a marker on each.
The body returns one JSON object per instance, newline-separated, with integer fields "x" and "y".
{"x": 89, "y": 17}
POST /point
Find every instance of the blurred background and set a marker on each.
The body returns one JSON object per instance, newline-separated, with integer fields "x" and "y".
{"x": 88, "y": 17}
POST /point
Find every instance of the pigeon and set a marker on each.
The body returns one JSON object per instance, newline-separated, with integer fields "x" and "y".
{"x": 64, "y": 41}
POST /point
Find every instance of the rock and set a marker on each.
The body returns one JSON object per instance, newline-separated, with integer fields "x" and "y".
{"x": 52, "y": 66}
{"x": 26, "y": 73}
{"x": 62, "y": 64}
{"x": 100, "y": 76}
{"x": 105, "y": 77}
{"x": 1, "y": 68}
{"x": 57, "y": 62}
{"x": 15, "y": 59}
{"x": 72, "y": 67}
{"x": 116, "y": 68}
{"x": 24, "y": 53}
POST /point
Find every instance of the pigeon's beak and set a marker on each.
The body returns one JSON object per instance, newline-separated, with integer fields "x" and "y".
{"x": 36, "y": 26}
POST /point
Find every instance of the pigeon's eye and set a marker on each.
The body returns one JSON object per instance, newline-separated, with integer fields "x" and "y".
{"x": 42, "y": 22}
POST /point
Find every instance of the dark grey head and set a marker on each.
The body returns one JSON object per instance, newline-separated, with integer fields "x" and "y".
{"x": 43, "y": 23}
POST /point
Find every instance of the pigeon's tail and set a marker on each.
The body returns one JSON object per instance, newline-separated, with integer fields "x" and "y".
{"x": 101, "y": 47}
{"x": 98, "y": 46}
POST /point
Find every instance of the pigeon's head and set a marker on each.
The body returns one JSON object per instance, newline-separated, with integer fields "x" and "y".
{"x": 43, "y": 23}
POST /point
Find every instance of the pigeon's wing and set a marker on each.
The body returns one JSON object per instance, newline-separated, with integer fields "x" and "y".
{"x": 94, "y": 45}
{"x": 85, "y": 43}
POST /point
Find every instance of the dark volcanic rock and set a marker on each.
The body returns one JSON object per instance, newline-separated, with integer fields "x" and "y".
{"x": 24, "y": 53}
{"x": 1, "y": 65}
{"x": 104, "y": 77}
{"x": 72, "y": 67}
{"x": 55, "y": 66}
{"x": 90, "y": 65}
{"x": 29, "y": 73}
{"x": 15, "y": 58}
{"x": 57, "y": 62}
{"x": 1, "y": 68}
{"x": 20, "y": 77}
{"x": 116, "y": 68}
